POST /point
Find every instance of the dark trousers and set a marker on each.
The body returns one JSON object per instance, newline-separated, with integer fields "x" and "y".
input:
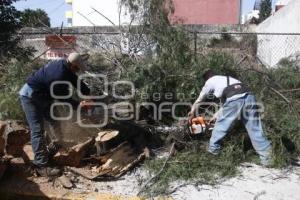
{"x": 36, "y": 110}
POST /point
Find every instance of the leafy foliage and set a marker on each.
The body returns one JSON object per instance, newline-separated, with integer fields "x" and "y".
{"x": 172, "y": 69}
{"x": 9, "y": 40}
{"x": 11, "y": 82}
{"x": 265, "y": 10}
{"x": 196, "y": 166}
{"x": 34, "y": 18}
{"x": 156, "y": 73}
{"x": 13, "y": 61}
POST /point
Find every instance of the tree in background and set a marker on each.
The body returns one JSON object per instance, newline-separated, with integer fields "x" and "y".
{"x": 265, "y": 10}
{"x": 13, "y": 61}
{"x": 9, "y": 23}
{"x": 34, "y": 18}
{"x": 9, "y": 39}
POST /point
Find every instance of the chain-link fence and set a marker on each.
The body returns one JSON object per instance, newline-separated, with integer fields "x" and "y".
{"x": 270, "y": 48}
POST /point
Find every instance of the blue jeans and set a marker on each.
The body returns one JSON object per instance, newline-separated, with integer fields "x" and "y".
{"x": 244, "y": 108}
{"x": 36, "y": 110}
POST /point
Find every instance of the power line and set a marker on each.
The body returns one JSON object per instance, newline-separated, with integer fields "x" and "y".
{"x": 56, "y": 8}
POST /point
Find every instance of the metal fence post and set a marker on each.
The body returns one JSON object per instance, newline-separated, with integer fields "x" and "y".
{"x": 195, "y": 44}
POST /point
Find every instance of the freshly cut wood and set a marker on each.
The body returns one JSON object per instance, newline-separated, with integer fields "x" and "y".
{"x": 84, "y": 172}
{"x": 65, "y": 182}
{"x": 73, "y": 156}
{"x": 104, "y": 136}
{"x": 113, "y": 164}
{"x": 121, "y": 159}
{"x": 17, "y": 165}
{"x": 103, "y": 139}
{"x": 16, "y": 135}
{"x": 28, "y": 154}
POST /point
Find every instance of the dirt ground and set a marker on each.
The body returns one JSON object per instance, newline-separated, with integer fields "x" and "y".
{"x": 253, "y": 183}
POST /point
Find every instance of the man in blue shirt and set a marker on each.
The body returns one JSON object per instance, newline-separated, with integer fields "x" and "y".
{"x": 36, "y": 100}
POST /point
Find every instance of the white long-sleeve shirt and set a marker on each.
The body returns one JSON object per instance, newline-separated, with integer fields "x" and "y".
{"x": 216, "y": 85}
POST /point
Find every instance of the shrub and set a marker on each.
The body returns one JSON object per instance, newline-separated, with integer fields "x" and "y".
{"x": 12, "y": 79}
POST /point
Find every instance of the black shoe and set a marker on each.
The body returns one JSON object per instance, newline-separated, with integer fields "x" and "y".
{"x": 53, "y": 149}
{"x": 48, "y": 171}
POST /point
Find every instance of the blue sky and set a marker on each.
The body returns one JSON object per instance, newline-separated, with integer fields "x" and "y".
{"x": 56, "y": 8}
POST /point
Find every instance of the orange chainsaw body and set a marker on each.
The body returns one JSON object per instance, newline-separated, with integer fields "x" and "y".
{"x": 197, "y": 125}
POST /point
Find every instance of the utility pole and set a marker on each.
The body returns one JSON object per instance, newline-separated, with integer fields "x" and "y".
{"x": 241, "y": 11}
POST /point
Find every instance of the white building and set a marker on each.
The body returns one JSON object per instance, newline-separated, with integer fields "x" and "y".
{"x": 96, "y": 13}
{"x": 272, "y": 48}
{"x": 252, "y": 14}
{"x": 282, "y": 2}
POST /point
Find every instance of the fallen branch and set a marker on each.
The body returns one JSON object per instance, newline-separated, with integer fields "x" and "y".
{"x": 176, "y": 188}
{"x": 291, "y": 90}
{"x": 281, "y": 95}
{"x": 147, "y": 184}
{"x": 287, "y": 101}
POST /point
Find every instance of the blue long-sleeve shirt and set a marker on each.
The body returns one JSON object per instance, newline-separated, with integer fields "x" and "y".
{"x": 57, "y": 70}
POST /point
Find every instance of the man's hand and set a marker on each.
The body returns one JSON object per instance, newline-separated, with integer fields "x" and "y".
{"x": 191, "y": 115}
{"x": 213, "y": 119}
{"x": 87, "y": 104}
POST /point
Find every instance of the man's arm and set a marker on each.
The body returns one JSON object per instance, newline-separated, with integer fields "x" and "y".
{"x": 215, "y": 116}
{"x": 199, "y": 100}
{"x": 83, "y": 87}
{"x": 205, "y": 90}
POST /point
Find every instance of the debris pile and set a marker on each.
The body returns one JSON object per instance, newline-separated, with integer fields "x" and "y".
{"x": 109, "y": 155}
{"x": 13, "y": 137}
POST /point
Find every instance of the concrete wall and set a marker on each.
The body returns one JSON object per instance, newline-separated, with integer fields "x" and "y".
{"x": 95, "y": 39}
{"x": 206, "y": 11}
{"x": 271, "y": 49}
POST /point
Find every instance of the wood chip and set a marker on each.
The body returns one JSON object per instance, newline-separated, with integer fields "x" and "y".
{"x": 72, "y": 157}
{"x": 65, "y": 182}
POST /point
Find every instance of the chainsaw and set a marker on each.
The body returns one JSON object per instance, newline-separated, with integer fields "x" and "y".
{"x": 199, "y": 125}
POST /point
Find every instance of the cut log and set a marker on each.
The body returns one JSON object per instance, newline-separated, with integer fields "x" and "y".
{"x": 28, "y": 154}
{"x": 103, "y": 139}
{"x": 17, "y": 165}
{"x": 16, "y": 135}
{"x": 122, "y": 159}
{"x": 65, "y": 182}
{"x": 72, "y": 157}
{"x": 106, "y": 135}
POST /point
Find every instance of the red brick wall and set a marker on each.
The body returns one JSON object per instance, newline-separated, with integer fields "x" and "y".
{"x": 206, "y": 11}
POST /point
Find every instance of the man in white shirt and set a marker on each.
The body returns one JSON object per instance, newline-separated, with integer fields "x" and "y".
{"x": 239, "y": 103}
